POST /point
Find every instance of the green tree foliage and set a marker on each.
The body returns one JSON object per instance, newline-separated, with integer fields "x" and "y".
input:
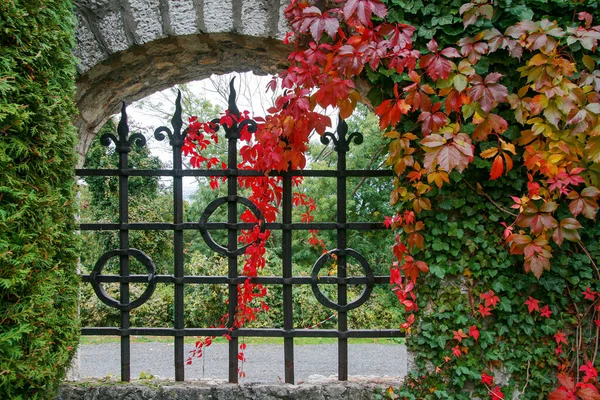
{"x": 149, "y": 201}
{"x": 38, "y": 298}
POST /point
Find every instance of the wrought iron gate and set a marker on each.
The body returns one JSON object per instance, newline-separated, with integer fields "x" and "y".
{"x": 123, "y": 142}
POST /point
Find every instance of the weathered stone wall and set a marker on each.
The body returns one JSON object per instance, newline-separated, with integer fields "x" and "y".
{"x": 128, "y": 49}
{"x": 153, "y": 390}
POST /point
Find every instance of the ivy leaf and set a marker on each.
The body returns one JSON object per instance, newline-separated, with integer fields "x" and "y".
{"x": 561, "y": 394}
{"x": 316, "y": 22}
{"x": 437, "y": 66}
{"x": 449, "y": 151}
{"x": 390, "y": 111}
{"x": 497, "y": 168}
{"x": 364, "y": 9}
{"x": 584, "y": 203}
{"x": 492, "y": 123}
{"x": 432, "y": 121}
{"x": 488, "y": 92}
{"x": 587, "y": 391}
{"x": 567, "y": 230}
{"x": 593, "y": 149}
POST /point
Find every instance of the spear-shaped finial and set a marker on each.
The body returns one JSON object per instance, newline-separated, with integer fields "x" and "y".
{"x": 232, "y": 106}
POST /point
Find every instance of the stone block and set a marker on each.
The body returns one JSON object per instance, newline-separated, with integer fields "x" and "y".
{"x": 148, "y": 20}
{"x": 87, "y": 50}
{"x": 218, "y": 16}
{"x": 255, "y": 18}
{"x": 113, "y": 32}
{"x": 182, "y": 16}
{"x": 283, "y": 26}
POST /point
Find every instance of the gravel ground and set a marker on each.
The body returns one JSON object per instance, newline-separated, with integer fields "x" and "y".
{"x": 264, "y": 361}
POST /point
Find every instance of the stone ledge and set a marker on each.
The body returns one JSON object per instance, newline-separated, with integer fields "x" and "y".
{"x": 315, "y": 388}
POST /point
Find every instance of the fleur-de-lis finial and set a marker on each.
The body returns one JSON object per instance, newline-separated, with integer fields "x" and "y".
{"x": 176, "y": 136}
{"x": 340, "y": 143}
{"x": 123, "y": 142}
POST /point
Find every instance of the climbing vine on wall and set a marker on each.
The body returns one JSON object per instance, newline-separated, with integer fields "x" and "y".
{"x": 499, "y": 100}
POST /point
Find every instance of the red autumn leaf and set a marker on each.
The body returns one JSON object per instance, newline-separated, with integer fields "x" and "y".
{"x": 484, "y": 311}
{"x": 451, "y": 151}
{"x": 488, "y": 93}
{"x": 364, "y": 9}
{"x": 560, "y": 337}
{"x": 584, "y": 203}
{"x": 545, "y": 311}
{"x": 454, "y": 101}
{"x": 315, "y": 22}
{"x": 492, "y": 123}
{"x": 532, "y": 305}
{"x": 589, "y": 294}
{"x": 486, "y": 379}
{"x": 496, "y": 393}
{"x": 474, "y": 332}
{"x": 591, "y": 374}
{"x": 473, "y": 49}
{"x": 435, "y": 65}
{"x": 432, "y": 120}
{"x": 490, "y": 299}
{"x": 390, "y": 111}
{"x": 561, "y": 394}
{"x": 409, "y": 321}
{"x": 456, "y": 351}
{"x": 588, "y": 392}
{"x": 459, "y": 335}
{"x": 497, "y": 168}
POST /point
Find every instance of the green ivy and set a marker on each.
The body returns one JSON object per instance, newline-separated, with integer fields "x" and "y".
{"x": 38, "y": 294}
{"x": 465, "y": 250}
{"x": 467, "y": 258}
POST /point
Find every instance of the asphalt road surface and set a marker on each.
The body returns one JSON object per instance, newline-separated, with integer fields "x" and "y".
{"x": 264, "y": 361}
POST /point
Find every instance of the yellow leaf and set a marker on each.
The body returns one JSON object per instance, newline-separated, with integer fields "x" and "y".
{"x": 392, "y": 135}
{"x": 555, "y": 158}
{"x": 508, "y": 147}
{"x": 588, "y": 62}
{"x": 489, "y": 152}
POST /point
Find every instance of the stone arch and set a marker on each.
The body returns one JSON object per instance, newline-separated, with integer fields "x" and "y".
{"x": 128, "y": 49}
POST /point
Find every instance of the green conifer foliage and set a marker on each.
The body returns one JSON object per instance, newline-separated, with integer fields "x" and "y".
{"x": 38, "y": 282}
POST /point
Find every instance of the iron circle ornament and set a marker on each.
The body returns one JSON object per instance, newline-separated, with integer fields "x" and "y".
{"x": 326, "y": 301}
{"x": 139, "y": 255}
{"x": 211, "y": 208}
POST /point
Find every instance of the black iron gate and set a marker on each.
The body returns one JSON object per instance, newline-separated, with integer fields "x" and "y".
{"x": 123, "y": 142}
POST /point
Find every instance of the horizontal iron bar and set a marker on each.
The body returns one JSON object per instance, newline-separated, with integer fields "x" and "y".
{"x": 166, "y": 226}
{"x": 228, "y": 172}
{"x": 215, "y": 280}
{"x": 244, "y": 332}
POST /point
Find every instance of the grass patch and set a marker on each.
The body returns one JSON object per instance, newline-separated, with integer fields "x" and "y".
{"x": 91, "y": 340}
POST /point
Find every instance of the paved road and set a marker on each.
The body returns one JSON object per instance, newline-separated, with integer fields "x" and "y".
{"x": 264, "y": 361}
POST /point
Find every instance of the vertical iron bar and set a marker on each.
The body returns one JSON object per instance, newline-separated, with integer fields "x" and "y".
{"x": 232, "y": 234}
{"x": 123, "y": 150}
{"x": 178, "y": 248}
{"x": 341, "y": 245}
{"x": 288, "y": 309}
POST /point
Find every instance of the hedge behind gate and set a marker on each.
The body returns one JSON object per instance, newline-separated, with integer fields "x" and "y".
{"x": 38, "y": 285}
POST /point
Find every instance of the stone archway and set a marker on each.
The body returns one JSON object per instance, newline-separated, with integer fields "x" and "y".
{"x": 128, "y": 49}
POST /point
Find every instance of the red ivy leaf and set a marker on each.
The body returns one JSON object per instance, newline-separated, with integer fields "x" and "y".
{"x": 588, "y": 392}
{"x": 486, "y": 379}
{"x": 316, "y": 22}
{"x": 474, "y": 333}
{"x": 364, "y": 9}
{"x": 532, "y": 305}
{"x": 437, "y": 66}
{"x": 487, "y": 92}
{"x": 497, "y": 168}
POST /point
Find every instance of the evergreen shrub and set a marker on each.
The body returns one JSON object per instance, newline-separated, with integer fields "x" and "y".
{"x": 38, "y": 282}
